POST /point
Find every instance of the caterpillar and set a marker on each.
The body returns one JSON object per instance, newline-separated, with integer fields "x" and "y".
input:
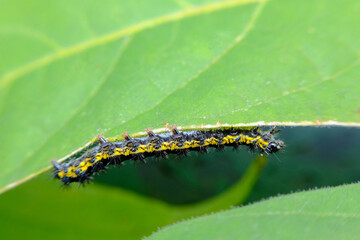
{"x": 114, "y": 152}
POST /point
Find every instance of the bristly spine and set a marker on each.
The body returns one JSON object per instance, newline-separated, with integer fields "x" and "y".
{"x": 109, "y": 152}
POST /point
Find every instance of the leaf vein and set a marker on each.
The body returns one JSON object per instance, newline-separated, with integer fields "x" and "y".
{"x": 238, "y": 39}
{"x": 11, "y": 76}
{"x": 287, "y": 93}
{"x": 86, "y": 102}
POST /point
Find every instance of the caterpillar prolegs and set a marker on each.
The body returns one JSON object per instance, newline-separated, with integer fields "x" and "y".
{"x": 107, "y": 152}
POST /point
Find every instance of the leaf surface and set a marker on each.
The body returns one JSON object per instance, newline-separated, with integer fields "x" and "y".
{"x": 327, "y": 214}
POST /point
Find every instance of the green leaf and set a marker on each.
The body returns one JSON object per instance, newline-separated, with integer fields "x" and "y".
{"x": 87, "y": 213}
{"x": 72, "y": 70}
{"x": 327, "y": 214}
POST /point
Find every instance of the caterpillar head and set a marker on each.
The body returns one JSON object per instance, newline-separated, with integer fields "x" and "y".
{"x": 274, "y": 146}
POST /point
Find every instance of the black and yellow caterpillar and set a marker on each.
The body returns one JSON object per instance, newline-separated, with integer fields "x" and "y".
{"x": 107, "y": 152}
